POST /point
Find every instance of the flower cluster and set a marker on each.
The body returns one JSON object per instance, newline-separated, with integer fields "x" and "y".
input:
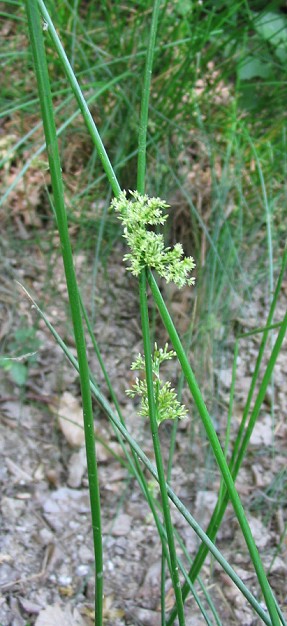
{"x": 138, "y": 215}
{"x": 166, "y": 402}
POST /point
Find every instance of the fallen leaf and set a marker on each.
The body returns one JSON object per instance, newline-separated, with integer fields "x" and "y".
{"x": 52, "y": 615}
{"x": 30, "y": 607}
{"x": 259, "y": 532}
{"x": 204, "y": 505}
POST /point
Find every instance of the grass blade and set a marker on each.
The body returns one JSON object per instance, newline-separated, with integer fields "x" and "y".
{"x": 141, "y": 168}
{"x": 41, "y": 69}
{"x": 81, "y": 100}
{"x": 244, "y": 434}
{"x": 217, "y": 450}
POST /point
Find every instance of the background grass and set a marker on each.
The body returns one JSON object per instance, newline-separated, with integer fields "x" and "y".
{"x": 216, "y": 135}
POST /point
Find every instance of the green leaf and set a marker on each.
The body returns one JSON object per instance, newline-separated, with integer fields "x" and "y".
{"x": 184, "y": 7}
{"x": 19, "y": 373}
{"x": 252, "y": 67}
{"x": 6, "y": 363}
{"x": 273, "y": 28}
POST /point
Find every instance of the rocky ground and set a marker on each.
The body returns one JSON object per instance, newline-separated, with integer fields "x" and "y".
{"x": 46, "y": 556}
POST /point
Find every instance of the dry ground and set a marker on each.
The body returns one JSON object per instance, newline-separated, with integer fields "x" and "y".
{"x": 46, "y": 559}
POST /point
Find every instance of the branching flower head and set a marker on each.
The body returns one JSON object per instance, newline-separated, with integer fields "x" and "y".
{"x": 147, "y": 247}
{"x": 167, "y": 404}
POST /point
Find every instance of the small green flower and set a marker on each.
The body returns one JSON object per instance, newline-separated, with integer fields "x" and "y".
{"x": 147, "y": 247}
{"x": 167, "y": 404}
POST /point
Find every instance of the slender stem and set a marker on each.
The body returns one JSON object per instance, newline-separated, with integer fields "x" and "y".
{"x": 222, "y": 489}
{"x": 139, "y": 475}
{"x": 217, "y": 450}
{"x": 133, "y": 462}
{"x": 42, "y": 75}
{"x": 240, "y": 434}
{"x": 106, "y": 408}
{"x": 145, "y": 324}
{"x": 244, "y": 435}
{"x": 162, "y": 589}
{"x": 145, "y": 99}
{"x": 236, "y": 463}
{"x": 157, "y": 449}
{"x": 91, "y": 126}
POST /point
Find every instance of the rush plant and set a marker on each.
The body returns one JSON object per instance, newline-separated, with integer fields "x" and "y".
{"x": 141, "y": 218}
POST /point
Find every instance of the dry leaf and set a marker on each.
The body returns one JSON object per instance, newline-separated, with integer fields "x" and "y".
{"x": 30, "y": 607}
{"x": 204, "y": 505}
{"x": 260, "y": 534}
{"x": 110, "y": 613}
{"x": 71, "y": 420}
{"x": 55, "y": 615}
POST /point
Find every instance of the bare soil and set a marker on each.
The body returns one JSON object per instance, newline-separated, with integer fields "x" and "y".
{"x": 46, "y": 558}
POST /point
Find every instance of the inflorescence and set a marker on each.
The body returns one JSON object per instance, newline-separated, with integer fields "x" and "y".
{"x": 166, "y": 402}
{"x": 147, "y": 247}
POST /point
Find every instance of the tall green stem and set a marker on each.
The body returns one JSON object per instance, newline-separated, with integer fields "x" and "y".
{"x": 243, "y": 436}
{"x": 44, "y": 89}
{"x": 145, "y": 99}
{"x": 145, "y": 321}
{"x": 91, "y": 126}
{"x": 217, "y": 450}
{"x": 241, "y": 439}
{"x": 157, "y": 449}
{"x": 106, "y": 408}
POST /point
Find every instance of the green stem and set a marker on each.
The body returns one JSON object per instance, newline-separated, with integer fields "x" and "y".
{"x": 145, "y": 324}
{"x": 222, "y": 489}
{"x": 217, "y": 450}
{"x": 244, "y": 435}
{"x": 106, "y": 408}
{"x": 42, "y": 75}
{"x": 91, "y": 126}
{"x": 134, "y": 464}
{"x": 145, "y": 99}
{"x": 139, "y": 475}
{"x": 157, "y": 449}
{"x": 240, "y": 436}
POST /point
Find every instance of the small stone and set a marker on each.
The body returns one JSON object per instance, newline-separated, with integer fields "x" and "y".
{"x": 85, "y": 554}
{"x": 82, "y": 570}
{"x": 64, "y": 580}
{"x": 122, "y": 525}
{"x": 77, "y": 468}
{"x": 147, "y": 617}
{"x": 45, "y": 536}
{"x": 12, "y": 509}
